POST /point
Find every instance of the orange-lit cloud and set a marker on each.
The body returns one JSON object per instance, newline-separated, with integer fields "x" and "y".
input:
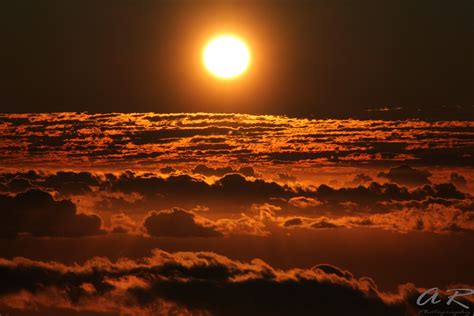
{"x": 145, "y": 140}
{"x": 197, "y": 283}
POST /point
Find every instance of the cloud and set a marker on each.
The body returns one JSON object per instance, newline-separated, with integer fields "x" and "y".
{"x": 225, "y": 195}
{"x": 359, "y": 179}
{"x": 285, "y": 177}
{"x": 141, "y": 140}
{"x": 324, "y": 223}
{"x": 406, "y": 175}
{"x": 167, "y": 170}
{"x": 65, "y": 182}
{"x": 69, "y": 182}
{"x": 137, "y": 193}
{"x": 179, "y": 223}
{"x": 245, "y": 225}
{"x": 387, "y": 197}
{"x": 434, "y": 219}
{"x": 36, "y": 212}
{"x": 16, "y": 185}
{"x": 295, "y": 221}
{"x": 303, "y": 202}
{"x": 330, "y": 269}
{"x": 198, "y": 283}
{"x": 458, "y": 180}
{"x": 182, "y": 223}
{"x": 220, "y": 172}
{"x": 122, "y": 223}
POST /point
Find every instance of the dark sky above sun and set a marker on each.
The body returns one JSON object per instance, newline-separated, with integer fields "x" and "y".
{"x": 326, "y": 58}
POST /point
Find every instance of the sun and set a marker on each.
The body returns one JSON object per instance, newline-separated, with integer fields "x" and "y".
{"x": 226, "y": 56}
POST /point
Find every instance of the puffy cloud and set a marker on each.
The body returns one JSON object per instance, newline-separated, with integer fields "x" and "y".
{"x": 179, "y": 223}
{"x": 387, "y": 197}
{"x": 36, "y": 212}
{"x": 220, "y": 172}
{"x": 16, "y": 185}
{"x": 458, "y": 180}
{"x": 434, "y": 219}
{"x": 286, "y": 177}
{"x": 324, "y": 223}
{"x": 310, "y": 222}
{"x": 137, "y": 193}
{"x": 359, "y": 179}
{"x": 199, "y": 283}
{"x": 407, "y": 175}
{"x": 245, "y": 225}
{"x": 208, "y": 171}
{"x": 168, "y": 169}
{"x": 182, "y": 223}
{"x": 234, "y": 191}
{"x": 71, "y": 182}
{"x": 122, "y": 223}
{"x": 303, "y": 202}
{"x": 65, "y": 182}
{"x": 226, "y": 194}
{"x": 295, "y": 221}
{"x": 330, "y": 269}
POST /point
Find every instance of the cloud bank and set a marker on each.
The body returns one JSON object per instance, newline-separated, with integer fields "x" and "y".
{"x": 197, "y": 283}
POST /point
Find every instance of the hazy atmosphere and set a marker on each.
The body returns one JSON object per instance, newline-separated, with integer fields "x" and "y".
{"x": 237, "y": 157}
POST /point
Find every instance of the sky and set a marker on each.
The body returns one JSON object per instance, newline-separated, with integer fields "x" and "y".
{"x": 333, "y": 177}
{"x": 321, "y": 58}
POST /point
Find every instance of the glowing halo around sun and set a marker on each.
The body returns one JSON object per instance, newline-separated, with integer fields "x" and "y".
{"x": 226, "y": 56}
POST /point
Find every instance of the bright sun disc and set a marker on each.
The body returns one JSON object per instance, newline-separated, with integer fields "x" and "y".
{"x": 226, "y": 56}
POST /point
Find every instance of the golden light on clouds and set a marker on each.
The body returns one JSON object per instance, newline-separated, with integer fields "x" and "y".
{"x": 226, "y": 56}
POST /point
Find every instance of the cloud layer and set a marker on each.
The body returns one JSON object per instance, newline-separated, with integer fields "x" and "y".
{"x": 179, "y": 223}
{"x": 180, "y": 205}
{"x": 37, "y": 213}
{"x": 319, "y": 191}
{"x": 122, "y": 140}
{"x": 197, "y": 283}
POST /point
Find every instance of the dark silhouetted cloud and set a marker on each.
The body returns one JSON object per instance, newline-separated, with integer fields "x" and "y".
{"x": 220, "y": 172}
{"x": 360, "y": 179}
{"x": 406, "y": 175}
{"x": 179, "y": 223}
{"x": 458, "y": 180}
{"x": 37, "y": 213}
{"x": 197, "y": 283}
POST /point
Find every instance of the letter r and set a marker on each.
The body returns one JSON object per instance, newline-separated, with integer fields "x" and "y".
{"x": 452, "y": 298}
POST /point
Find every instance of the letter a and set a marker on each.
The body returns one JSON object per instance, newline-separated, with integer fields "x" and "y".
{"x": 432, "y": 298}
